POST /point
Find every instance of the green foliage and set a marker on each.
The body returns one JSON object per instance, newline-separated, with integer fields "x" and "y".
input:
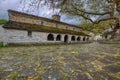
{"x": 96, "y": 28}
{"x": 1, "y": 45}
{"x": 2, "y": 21}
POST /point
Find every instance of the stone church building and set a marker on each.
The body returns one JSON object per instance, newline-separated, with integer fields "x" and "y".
{"x": 24, "y": 28}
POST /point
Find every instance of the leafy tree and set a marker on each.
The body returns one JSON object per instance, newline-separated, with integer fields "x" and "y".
{"x": 88, "y": 10}
{"x": 96, "y": 28}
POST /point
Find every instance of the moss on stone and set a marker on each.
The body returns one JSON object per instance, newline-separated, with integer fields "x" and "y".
{"x": 35, "y": 27}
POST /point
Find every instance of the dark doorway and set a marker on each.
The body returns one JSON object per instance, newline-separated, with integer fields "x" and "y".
{"x": 58, "y": 38}
{"x": 106, "y": 37}
{"x": 66, "y": 38}
{"x": 50, "y": 37}
{"x": 83, "y": 38}
{"x": 78, "y": 39}
{"x": 73, "y": 38}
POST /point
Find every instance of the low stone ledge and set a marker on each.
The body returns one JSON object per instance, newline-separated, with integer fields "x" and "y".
{"x": 46, "y": 44}
{"x": 109, "y": 41}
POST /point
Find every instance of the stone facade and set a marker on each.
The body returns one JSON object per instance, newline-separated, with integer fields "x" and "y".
{"x": 26, "y": 34}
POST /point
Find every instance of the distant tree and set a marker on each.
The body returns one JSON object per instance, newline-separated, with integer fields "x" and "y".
{"x": 2, "y": 21}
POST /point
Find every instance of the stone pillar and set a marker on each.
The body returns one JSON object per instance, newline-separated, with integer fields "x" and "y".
{"x": 81, "y": 38}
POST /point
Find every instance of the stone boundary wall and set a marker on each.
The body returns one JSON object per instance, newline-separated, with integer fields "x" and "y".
{"x": 109, "y": 41}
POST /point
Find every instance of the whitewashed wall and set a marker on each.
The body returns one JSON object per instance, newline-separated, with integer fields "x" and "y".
{"x": 21, "y": 36}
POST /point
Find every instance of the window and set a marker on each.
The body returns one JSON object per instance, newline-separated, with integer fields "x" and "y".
{"x": 30, "y": 33}
{"x": 41, "y": 23}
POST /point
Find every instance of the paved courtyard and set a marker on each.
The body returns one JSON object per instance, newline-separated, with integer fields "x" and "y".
{"x": 92, "y": 61}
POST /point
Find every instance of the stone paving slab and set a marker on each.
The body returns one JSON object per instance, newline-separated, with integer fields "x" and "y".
{"x": 92, "y": 61}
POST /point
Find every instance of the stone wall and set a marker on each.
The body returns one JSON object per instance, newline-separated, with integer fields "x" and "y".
{"x": 21, "y": 36}
{"x": 1, "y": 33}
{"x": 36, "y": 20}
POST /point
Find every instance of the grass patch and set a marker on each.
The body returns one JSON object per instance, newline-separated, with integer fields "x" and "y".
{"x": 1, "y": 45}
{"x": 2, "y": 21}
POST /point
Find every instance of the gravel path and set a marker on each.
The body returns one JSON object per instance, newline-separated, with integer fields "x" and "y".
{"x": 92, "y": 61}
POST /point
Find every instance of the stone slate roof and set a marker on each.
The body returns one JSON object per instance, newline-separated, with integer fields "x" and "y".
{"x": 39, "y": 28}
{"x": 43, "y": 18}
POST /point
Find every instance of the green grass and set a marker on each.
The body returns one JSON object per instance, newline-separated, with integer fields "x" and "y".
{"x": 2, "y": 21}
{"x": 1, "y": 45}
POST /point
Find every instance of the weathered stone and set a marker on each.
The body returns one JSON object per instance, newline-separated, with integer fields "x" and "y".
{"x": 37, "y": 63}
{"x": 52, "y": 75}
{"x": 28, "y": 72}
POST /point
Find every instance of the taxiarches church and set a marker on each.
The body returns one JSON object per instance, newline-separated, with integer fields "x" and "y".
{"x": 24, "y": 28}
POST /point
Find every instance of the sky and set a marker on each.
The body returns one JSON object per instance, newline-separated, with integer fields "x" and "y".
{"x": 44, "y": 11}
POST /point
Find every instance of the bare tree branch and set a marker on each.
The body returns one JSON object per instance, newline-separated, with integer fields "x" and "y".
{"x": 90, "y": 13}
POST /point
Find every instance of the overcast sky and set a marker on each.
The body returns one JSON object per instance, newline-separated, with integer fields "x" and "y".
{"x": 44, "y": 11}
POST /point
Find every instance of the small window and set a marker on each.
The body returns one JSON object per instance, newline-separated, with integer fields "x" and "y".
{"x": 30, "y": 33}
{"x": 41, "y": 23}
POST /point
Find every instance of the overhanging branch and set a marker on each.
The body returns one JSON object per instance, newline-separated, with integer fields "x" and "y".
{"x": 89, "y": 13}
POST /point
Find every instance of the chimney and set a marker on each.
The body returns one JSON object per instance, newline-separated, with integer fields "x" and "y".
{"x": 56, "y": 17}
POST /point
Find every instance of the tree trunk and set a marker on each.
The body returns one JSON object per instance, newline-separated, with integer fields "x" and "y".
{"x": 116, "y": 30}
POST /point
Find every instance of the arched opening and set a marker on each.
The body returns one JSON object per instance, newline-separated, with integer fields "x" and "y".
{"x": 50, "y": 37}
{"x": 84, "y": 39}
{"x": 78, "y": 39}
{"x": 87, "y": 38}
{"x": 106, "y": 37}
{"x": 73, "y": 38}
{"x": 58, "y": 38}
{"x": 66, "y": 38}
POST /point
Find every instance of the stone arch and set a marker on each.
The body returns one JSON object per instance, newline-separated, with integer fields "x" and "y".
{"x": 66, "y": 38}
{"x": 87, "y": 38}
{"x": 106, "y": 36}
{"x": 50, "y": 37}
{"x": 58, "y": 38}
{"x": 73, "y": 38}
{"x": 78, "y": 38}
{"x": 84, "y": 39}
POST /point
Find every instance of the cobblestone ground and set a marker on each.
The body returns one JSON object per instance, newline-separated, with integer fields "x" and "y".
{"x": 92, "y": 61}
